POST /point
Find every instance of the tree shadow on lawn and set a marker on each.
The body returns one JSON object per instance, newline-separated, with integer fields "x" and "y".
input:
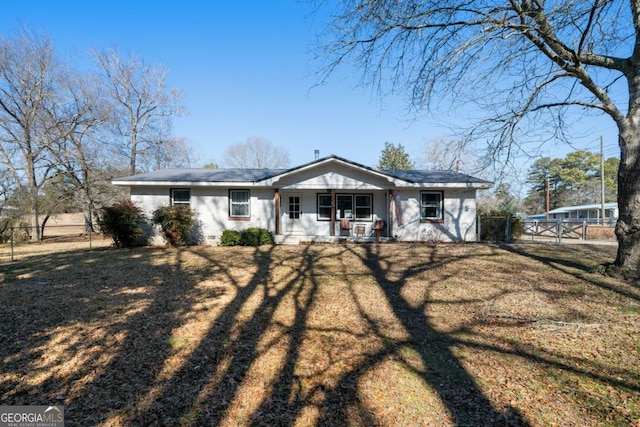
{"x": 90, "y": 330}
{"x": 231, "y": 388}
{"x": 200, "y": 336}
{"x": 45, "y": 293}
{"x": 560, "y": 261}
{"x": 444, "y": 374}
{"x": 250, "y": 368}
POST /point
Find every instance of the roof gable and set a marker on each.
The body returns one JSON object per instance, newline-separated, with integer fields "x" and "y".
{"x": 331, "y": 171}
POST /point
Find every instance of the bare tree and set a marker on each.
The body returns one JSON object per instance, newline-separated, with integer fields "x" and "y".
{"x": 522, "y": 65}
{"x": 28, "y": 73}
{"x": 7, "y": 188}
{"x": 257, "y": 153}
{"x": 451, "y": 154}
{"x": 171, "y": 152}
{"x": 142, "y": 105}
{"x": 79, "y": 153}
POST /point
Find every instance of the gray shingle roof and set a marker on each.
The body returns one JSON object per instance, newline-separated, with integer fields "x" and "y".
{"x": 254, "y": 175}
{"x": 434, "y": 176}
{"x": 204, "y": 175}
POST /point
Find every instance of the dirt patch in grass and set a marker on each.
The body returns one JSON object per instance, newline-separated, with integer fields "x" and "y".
{"x": 389, "y": 335}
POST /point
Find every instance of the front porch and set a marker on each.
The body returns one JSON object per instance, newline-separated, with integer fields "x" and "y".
{"x": 331, "y": 216}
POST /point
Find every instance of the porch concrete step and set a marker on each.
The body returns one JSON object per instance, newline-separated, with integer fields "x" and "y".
{"x": 297, "y": 239}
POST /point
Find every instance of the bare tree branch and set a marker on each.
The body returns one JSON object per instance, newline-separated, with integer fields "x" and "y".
{"x": 524, "y": 67}
{"x": 256, "y": 153}
{"x": 143, "y": 105}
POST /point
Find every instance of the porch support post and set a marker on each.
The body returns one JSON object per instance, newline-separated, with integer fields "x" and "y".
{"x": 390, "y": 213}
{"x": 332, "y": 232}
{"x": 276, "y": 200}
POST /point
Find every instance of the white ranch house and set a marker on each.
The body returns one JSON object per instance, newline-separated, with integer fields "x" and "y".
{"x": 326, "y": 200}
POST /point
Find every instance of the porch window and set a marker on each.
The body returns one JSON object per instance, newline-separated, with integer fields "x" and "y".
{"x": 364, "y": 207}
{"x": 431, "y": 206}
{"x": 324, "y": 207}
{"x": 348, "y": 206}
{"x": 180, "y": 196}
{"x": 239, "y": 204}
{"x": 344, "y": 206}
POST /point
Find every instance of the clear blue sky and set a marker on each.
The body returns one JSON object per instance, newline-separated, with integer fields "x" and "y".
{"x": 246, "y": 69}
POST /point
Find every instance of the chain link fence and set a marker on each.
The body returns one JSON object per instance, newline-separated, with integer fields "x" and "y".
{"x": 16, "y": 242}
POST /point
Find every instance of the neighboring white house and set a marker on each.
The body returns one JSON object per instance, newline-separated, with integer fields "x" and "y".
{"x": 327, "y": 199}
{"x": 591, "y": 213}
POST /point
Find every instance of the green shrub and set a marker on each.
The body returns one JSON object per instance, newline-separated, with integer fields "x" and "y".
{"x": 176, "y": 222}
{"x": 493, "y": 227}
{"x": 250, "y": 237}
{"x": 517, "y": 228}
{"x": 255, "y": 236}
{"x": 266, "y": 238}
{"x": 230, "y": 238}
{"x": 123, "y": 222}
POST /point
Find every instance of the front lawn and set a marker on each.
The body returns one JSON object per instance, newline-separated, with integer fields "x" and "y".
{"x": 389, "y": 335}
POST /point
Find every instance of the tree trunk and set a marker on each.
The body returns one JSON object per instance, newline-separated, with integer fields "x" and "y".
{"x": 35, "y": 205}
{"x": 628, "y": 224}
{"x": 43, "y": 225}
{"x": 35, "y": 221}
{"x": 134, "y": 147}
{"x": 89, "y": 214}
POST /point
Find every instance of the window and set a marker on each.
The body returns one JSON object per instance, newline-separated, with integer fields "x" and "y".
{"x": 431, "y": 206}
{"x": 239, "y": 204}
{"x": 324, "y": 207}
{"x": 294, "y": 207}
{"x": 348, "y": 206}
{"x": 180, "y": 196}
{"x": 344, "y": 206}
{"x": 364, "y": 207}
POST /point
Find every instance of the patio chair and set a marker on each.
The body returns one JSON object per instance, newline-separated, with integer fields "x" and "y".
{"x": 345, "y": 225}
{"x": 359, "y": 230}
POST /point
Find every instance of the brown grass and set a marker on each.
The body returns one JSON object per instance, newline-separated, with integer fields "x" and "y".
{"x": 599, "y": 232}
{"x": 387, "y": 335}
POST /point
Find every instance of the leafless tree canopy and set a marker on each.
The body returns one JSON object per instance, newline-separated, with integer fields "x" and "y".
{"x": 28, "y": 91}
{"x": 451, "y": 154}
{"x": 511, "y": 60}
{"x": 142, "y": 105}
{"x": 256, "y": 153}
{"x": 64, "y": 134}
{"x": 518, "y": 66}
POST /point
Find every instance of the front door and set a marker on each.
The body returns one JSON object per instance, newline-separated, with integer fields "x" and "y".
{"x": 293, "y": 214}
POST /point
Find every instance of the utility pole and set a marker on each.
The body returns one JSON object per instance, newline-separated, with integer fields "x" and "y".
{"x": 548, "y": 198}
{"x": 602, "y": 178}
